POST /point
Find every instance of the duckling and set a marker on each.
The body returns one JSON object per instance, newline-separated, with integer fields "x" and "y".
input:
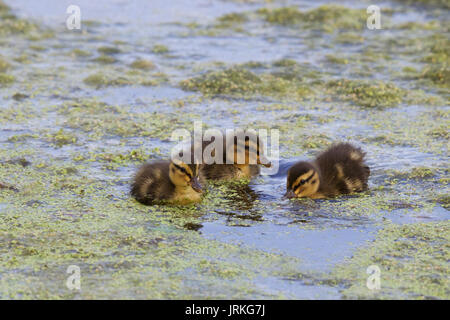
{"x": 338, "y": 170}
{"x": 245, "y": 151}
{"x": 167, "y": 181}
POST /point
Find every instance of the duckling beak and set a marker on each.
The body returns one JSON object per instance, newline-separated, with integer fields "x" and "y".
{"x": 264, "y": 161}
{"x": 196, "y": 185}
{"x": 290, "y": 194}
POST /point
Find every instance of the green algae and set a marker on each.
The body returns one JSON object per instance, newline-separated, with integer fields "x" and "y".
{"x": 160, "y": 49}
{"x": 6, "y": 79}
{"x": 11, "y": 25}
{"x": 107, "y": 120}
{"x": 134, "y": 245}
{"x": 349, "y": 38}
{"x": 37, "y": 48}
{"x": 105, "y": 59}
{"x": 444, "y": 200}
{"x": 240, "y": 81}
{"x": 231, "y": 20}
{"x": 325, "y": 17}
{"x": 142, "y": 64}
{"x": 440, "y": 132}
{"x": 438, "y": 3}
{"x": 413, "y": 260}
{"x": 233, "y": 80}
{"x": 115, "y": 161}
{"x": 61, "y": 138}
{"x": 4, "y": 65}
{"x": 99, "y": 80}
{"x": 417, "y": 173}
{"x": 368, "y": 93}
{"x": 337, "y": 60}
{"x": 412, "y": 25}
{"x": 438, "y": 74}
{"x": 68, "y": 200}
{"x": 17, "y": 114}
{"x": 22, "y": 137}
{"x": 109, "y": 50}
{"x": 80, "y": 53}
{"x": 23, "y": 58}
{"x": 285, "y": 63}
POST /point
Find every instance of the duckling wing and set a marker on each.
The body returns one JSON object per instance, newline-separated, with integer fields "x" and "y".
{"x": 152, "y": 183}
{"x": 218, "y": 172}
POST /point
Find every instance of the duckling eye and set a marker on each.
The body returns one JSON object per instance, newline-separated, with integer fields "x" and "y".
{"x": 303, "y": 181}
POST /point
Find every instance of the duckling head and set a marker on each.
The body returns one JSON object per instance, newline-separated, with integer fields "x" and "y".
{"x": 302, "y": 180}
{"x": 184, "y": 175}
{"x": 249, "y": 150}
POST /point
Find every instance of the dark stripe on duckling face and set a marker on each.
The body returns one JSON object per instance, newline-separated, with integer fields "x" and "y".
{"x": 183, "y": 170}
{"x": 187, "y": 175}
{"x": 303, "y": 180}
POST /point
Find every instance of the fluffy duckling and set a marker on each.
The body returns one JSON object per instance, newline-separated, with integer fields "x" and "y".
{"x": 167, "y": 181}
{"x": 338, "y": 170}
{"x": 248, "y": 156}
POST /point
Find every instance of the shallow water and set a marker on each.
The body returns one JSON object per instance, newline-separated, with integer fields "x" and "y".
{"x": 73, "y": 206}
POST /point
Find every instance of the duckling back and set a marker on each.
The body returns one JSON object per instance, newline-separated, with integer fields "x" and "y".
{"x": 227, "y": 172}
{"x": 236, "y": 152}
{"x": 342, "y": 170}
{"x": 151, "y": 183}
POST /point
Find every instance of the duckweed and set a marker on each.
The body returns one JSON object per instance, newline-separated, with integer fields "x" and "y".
{"x": 105, "y": 59}
{"x": 234, "y": 80}
{"x": 159, "y": 49}
{"x": 6, "y": 79}
{"x": 232, "y": 18}
{"x": 109, "y": 50}
{"x": 80, "y": 53}
{"x": 438, "y": 3}
{"x": 444, "y": 200}
{"x": 412, "y": 259}
{"x": 285, "y": 63}
{"x": 368, "y": 93}
{"x": 61, "y": 138}
{"x": 239, "y": 81}
{"x": 142, "y": 64}
{"x": 71, "y": 205}
{"x": 37, "y": 48}
{"x": 4, "y": 65}
{"x": 349, "y": 38}
{"x": 325, "y": 17}
{"x": 10, "y": 24}
{"x": 99, "y": 80}
{"x": 337, "y": 60}
{"x": 438, "y": 74}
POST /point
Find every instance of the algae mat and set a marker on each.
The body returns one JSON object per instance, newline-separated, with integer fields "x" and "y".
{"x": 80, "y": 110}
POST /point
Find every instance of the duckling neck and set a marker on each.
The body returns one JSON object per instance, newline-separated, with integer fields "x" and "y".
{"x": 244, "y": 170}
{"x": 186, "y": 194}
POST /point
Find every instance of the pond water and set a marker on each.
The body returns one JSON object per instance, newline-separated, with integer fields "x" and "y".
{"x": 84, "y": 112}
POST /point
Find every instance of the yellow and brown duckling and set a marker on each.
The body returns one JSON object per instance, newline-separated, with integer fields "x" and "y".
{"x": 167, "y": 181}
{"x": 240, "y": 160}
{"x": 338, "y": 170}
